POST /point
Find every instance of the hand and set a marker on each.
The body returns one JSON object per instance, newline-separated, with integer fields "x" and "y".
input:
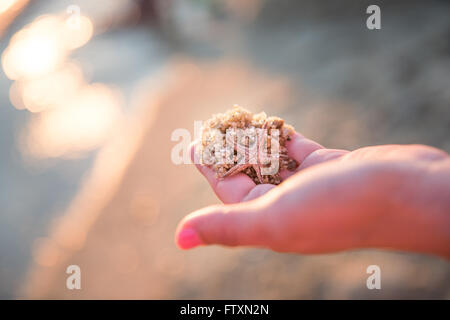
{"x": 389, "y": 196}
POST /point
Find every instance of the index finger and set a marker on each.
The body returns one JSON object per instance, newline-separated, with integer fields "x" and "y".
{"x": 307, "y": 153}
{"x": 299, "y": 147}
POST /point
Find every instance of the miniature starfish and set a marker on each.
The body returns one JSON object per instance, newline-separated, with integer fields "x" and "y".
{"x": 251, "y": 156}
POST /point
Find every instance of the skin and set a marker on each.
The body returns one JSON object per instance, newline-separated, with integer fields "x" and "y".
{"x": 390, "y": 196}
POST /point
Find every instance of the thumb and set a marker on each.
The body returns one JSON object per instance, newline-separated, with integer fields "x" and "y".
{"x": 241, "y": 224}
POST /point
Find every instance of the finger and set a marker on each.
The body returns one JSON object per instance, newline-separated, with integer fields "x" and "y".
{"x": 307, "y": 153}
{"x": 316, "y": 157}
{"x": 243, "y": 224}
{"x": 321, "y": 155}
{"x": 299, "y": 147}
{"x": 285, "y": 174}
{"x": 258, "y": 191}
{"x": 230, "y": 190}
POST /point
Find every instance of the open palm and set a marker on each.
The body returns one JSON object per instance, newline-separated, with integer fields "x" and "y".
{"x": 335, "y": 200}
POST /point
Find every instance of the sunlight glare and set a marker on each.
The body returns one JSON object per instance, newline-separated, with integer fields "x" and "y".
{"x": 6, "y": 4}
{"x": 82, "y": 125}
{"x": 34, "y": 51}
{"x": 52, "y": 90}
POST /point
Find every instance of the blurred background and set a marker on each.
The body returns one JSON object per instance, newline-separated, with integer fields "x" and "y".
{"x": 90, "y": 92}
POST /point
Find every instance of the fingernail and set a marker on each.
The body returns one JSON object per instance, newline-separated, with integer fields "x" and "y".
{"x": 188, "y": 238}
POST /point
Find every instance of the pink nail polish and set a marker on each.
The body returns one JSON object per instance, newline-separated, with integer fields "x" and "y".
{"x": 188, "y": 238}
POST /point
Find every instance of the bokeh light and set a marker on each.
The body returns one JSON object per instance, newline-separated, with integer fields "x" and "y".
{"x": 80, "y": 125}
{"x": 75, "y": 37}
{"x": 43, "y": 45}
{"x": 35, "y": 50}
{"x": 6, "y": 4}
{"x": 53, "y": 89}
{"x": 73, "y": 115}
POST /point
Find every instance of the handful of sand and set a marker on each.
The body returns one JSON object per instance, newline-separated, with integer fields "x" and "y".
{"x": 239, "y": 141}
